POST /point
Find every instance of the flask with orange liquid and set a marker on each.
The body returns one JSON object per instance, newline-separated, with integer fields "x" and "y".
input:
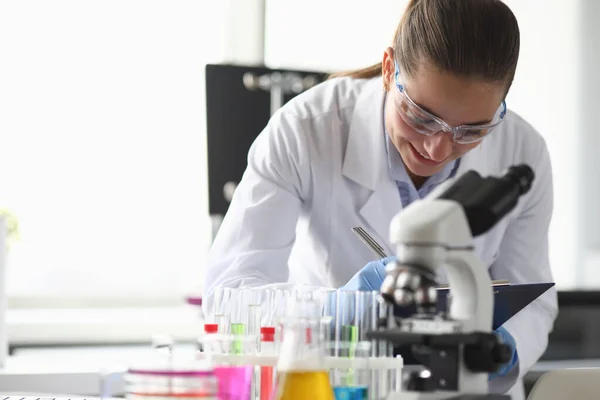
{"x": 301, "y": 370}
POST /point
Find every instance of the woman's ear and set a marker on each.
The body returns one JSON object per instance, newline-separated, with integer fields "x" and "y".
{"x": 388, "y": 68}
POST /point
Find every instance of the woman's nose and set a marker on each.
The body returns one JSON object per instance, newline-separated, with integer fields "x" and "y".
{"x": 439, "y": 146}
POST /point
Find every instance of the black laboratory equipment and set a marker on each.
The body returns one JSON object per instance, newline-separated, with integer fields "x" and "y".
{"x": 239, "y": 102}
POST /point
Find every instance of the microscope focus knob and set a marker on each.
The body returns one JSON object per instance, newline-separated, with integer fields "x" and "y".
{"x": 426, "y": 295}
{"x": 502, "y": 354}
{"x": 403, "y": 297}
{"x": 419, "y": 381}
{"x": 389, "y": 286}
{"x": 408, "y": 279}
{"x": 488, "y": 355}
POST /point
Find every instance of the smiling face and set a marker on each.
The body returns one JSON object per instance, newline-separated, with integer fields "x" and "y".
{"x": 456, "y": 101}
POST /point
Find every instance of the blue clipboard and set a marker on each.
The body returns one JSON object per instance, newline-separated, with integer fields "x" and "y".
{"x": 508, "y": 301}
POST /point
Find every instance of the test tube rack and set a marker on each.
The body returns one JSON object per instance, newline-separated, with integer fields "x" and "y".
{"x": 373, "y": 363}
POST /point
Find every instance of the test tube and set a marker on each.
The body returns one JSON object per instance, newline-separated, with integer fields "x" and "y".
{"x": 252, "y": 301}
{"x": 353, "y": 382}
{"x": 371, "y": 320}
{"x": 343, "y": 317}
{"x": 360, "y": 312}
{"x": 352, "y": 315}
{"x": 329, "y": 322}
{"x": 216, "y": 305}
{"x": 221, "y": 308}
{"x": 237, "y": 314}
{"x": 209, "y": 329}
{"x": 283, "y": 300}
{"x": 383, "y": 381}
{"x": 236, "y": 373}
{"x": 326, "y": 332}
{"x": 273, "y": 297}
{"x": 267, "y": 373}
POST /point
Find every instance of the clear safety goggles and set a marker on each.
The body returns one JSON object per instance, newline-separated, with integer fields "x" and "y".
{"x": 426, "y": 123}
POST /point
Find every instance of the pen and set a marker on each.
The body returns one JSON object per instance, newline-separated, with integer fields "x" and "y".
{"x": 369, "y": 242}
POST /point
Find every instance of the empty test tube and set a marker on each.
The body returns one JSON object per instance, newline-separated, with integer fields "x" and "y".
{"x": 220, "y": 314}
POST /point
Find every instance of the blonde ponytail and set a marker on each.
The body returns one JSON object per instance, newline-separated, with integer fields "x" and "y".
{"x": 364, "y": 73}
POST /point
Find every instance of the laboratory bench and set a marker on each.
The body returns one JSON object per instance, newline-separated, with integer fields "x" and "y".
{"x": 575, "y": 339}
{"x": 574, "y": 343}
{"x": 82, "y": 370}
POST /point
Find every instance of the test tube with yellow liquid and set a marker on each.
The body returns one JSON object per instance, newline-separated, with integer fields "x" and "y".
{"x": 301, "y": 371}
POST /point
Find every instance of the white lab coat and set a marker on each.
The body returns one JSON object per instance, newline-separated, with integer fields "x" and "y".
{"x": 319, "y": 168}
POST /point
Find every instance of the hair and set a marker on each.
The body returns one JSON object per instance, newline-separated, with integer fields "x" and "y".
{"x": 473, "y": 39}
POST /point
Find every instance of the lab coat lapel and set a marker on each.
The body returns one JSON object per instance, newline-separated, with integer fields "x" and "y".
{"x": 474, "y": 160}
{"x": 383, "y": 204}
{"x": 365, "y": 163}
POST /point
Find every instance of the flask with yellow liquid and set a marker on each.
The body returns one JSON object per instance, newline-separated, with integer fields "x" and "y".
{"x": 301, "y": 370}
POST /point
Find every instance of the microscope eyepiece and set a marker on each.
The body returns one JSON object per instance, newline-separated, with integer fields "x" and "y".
{"x": 522, "y": 175}
{"x": 487, "y": 200}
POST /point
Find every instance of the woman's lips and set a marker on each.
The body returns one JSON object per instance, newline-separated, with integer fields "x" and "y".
{"x": 424, "y": 159}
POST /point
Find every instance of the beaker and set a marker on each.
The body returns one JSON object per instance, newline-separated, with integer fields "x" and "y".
{"x": 301, "y": 371}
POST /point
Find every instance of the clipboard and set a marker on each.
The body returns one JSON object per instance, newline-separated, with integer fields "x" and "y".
{"x": 508, "y": 301}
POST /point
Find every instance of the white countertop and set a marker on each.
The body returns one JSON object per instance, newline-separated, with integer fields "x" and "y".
{"x": 74, "y": 370}
{"x": 81, "y": 370}
{"x": 101, "y": 325}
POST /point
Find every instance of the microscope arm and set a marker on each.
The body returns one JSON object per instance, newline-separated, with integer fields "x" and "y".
{"x": 434, "y": 233}
{"x": 438, "y": 232}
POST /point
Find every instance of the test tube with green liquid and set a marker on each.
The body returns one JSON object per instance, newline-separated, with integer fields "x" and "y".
{"x": 349, "y": 338}
{"x": 237, "y": 321}
{"x": 238, "y": 330}
{"x": 346, "y": 333}
{"x": 344, "y": 313}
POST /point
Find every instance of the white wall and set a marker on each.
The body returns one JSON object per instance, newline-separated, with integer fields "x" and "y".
{"x": 546, "y": 92}
{"x": 329, "y": 35}
{"x": 589, "y": 139}
{"x": 336, "y": 35}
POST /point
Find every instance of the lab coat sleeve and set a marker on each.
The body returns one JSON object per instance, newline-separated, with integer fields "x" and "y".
{"x": 255, "y": 239}
{"x": 523, "y": 258}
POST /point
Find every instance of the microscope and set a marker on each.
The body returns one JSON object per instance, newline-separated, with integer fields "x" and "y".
{"x": 456, "y": 347}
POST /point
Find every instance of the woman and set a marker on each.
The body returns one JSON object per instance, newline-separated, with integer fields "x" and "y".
{"x": 358, "y": 148}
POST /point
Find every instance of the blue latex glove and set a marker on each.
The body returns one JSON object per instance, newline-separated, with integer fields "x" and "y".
{"x": 370, "y": 277}
{"x": 506, "y": 338}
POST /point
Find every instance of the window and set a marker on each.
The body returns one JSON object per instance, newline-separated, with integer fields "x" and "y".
{"x": 103, "y": 163}
{"x": 102, "y": 130}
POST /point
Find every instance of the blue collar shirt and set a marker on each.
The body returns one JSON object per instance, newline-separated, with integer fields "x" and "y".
{"x": 406, "y": 187}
